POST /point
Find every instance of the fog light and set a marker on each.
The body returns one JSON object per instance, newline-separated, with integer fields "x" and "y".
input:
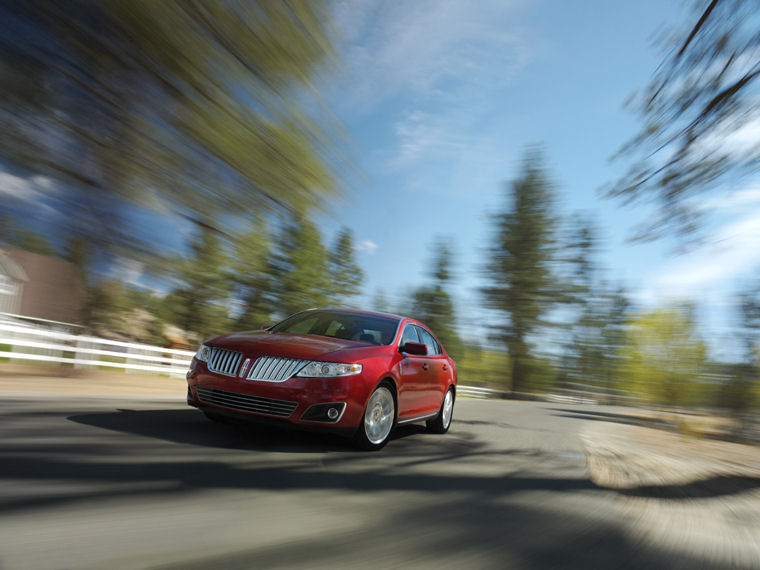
{"x": 329, "y": 412}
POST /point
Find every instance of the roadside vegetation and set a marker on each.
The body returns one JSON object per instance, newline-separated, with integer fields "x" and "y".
{"x": 230, "y": 138}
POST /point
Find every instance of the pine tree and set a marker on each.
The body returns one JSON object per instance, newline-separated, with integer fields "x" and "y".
{"x": 345, "y": 275}
{"x": 250, "y": 273}
{"x": 432, "y": 304}
{"x": 698, "y": 114}
{"x": 522, "y": 287}
{"x": 204, "y": 293}
{"x": 299, "y": 268}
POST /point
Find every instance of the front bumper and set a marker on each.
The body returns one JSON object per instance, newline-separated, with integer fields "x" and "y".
{"x": 331, "y": 403}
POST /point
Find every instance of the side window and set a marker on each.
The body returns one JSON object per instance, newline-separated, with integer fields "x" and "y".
{"x": 428, "y": 340}
{"x": 410, "y": 335}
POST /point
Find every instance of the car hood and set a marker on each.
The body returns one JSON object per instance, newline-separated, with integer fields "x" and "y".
{"x": 305, "y": 346}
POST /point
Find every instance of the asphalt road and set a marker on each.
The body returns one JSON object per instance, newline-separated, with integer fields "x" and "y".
{"x": 137, "y": 483}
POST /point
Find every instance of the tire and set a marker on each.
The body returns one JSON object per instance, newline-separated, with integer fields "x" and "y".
{"x": 442, "y": 422}
{"x": 378, "y": 419}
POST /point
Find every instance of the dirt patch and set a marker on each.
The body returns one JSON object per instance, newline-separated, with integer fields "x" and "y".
{"x": 679, "y": 493}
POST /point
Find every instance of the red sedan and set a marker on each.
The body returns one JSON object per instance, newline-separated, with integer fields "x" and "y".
{"x": 354, "y": 372}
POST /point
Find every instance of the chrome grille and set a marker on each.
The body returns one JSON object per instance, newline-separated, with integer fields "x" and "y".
{"x": 275, "y": 369}
{"x": 246, "y": 403}
{"x": 224, "y": 361}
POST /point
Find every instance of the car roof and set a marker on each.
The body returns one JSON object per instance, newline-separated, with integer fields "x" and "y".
{"x": 358, "y": 312}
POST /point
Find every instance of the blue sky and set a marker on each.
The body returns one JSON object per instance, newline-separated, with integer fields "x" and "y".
{"x": 439, "y": 100}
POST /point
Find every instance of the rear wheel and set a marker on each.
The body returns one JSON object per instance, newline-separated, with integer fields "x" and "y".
{"x": 442, "y": 422}
{"x": 378, "y": 420}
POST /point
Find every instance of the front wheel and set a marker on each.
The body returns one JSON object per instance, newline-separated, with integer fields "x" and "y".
{"x": 442, "y": 422}
{"x": 378, "y": 420}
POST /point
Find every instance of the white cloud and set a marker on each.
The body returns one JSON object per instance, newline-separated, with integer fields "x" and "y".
{"x": 128, "y": 271}
{"x": 734, "y": 202}
{"x": 367, "y": 246}
{"x": 31, "y": 189}
{"x": 731, "y": 252}
{"x": 422, "y": 136}
{"x": 412, "y": 48}
{"x": 432, "y": 69}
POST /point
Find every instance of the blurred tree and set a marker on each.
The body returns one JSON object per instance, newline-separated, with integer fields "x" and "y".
{"x": 249, "y": 272}
{"x": 665, "y": 358}
{"x": 598, "y": 332}
{"x": 521, "y": 258}
{"x": 481, "y": 366}
{"x": 78, "y": 251}
{"x": 106, "y": 304}
{"x": 598, "y": 337}
{"x": 120, "y": 311}
{"x": 699, "y": 111}
{"x": 380, "y": 302}
{"x": 13, "y": 235}
{"x": 198, "y": 108}
{"x": 749, "y": 304}
{"x": 432, "y": 304}
{"x": 299, "y": 268}
{"x": 345, "y": 275}
{"x": 742, "y": 382}
{"x": 203, "y": 295}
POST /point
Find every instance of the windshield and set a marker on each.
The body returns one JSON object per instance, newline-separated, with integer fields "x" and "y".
{"x": 371, "y": 329}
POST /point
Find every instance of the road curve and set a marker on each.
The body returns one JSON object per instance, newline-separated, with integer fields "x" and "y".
{"x": 139, "y": 483}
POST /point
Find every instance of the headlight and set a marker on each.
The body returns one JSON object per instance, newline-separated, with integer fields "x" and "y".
{"x": 316, "y": 369}
{"x": 203, "y": 353}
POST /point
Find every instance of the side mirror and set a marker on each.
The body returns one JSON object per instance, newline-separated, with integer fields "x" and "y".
{"x": 266, "y": 327}
{"x": 414, "y": 348}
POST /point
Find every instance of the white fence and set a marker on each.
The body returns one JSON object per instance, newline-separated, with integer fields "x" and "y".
{"x": 476, "y": 392}
{"x": 22, "y": 342}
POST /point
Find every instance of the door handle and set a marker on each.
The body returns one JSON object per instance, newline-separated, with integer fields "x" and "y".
{"x": 425, "y": 366}
{"x": 445, "y": 367}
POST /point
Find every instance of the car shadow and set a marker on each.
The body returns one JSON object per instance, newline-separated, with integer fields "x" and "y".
{"x": 191, "y": 427}
{"x": 626, "y": 419}
{"x": 707, "y": 488}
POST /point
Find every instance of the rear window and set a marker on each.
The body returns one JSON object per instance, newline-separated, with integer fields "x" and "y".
{"x": 370, "y": 329}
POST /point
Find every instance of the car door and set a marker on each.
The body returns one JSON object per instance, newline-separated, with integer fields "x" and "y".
{"x": 435, "y": 371}
{"x": 411, "y": 388}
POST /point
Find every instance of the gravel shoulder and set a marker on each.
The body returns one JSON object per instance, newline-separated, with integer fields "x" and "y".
{"x": 698, "y": 497}
{"x": 29, "y": 380}
{"x": 510, "y": 466}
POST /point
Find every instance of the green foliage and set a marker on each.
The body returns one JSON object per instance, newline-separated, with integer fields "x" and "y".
{"x": 201, "y": 108}
{"x": 299, "y": 268}
{"x": 13, "y": 235}
{"x": 592, "y": 356}
{"x": 664, "y": 357}
{"x": 249, "y": 272}
{"x": 738, "y": 389}
{"x": 345, "y": 275}
{"x": 741, "y": 386}
{"x": 482, "y": 367}
{"x": 522, "y": 286}
{"x": 202, "y": 298}
{"x": 116, "y": 310}
{"x": 749, "y": 306}
{"x": 380, "y": 302}
{"x": 693, "y": 111}
{"x": 433, "y": 305}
